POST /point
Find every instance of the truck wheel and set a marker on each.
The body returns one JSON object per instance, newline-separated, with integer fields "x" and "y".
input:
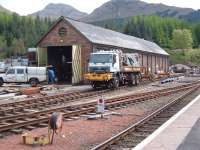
{"x": 94, "y": 85}
{"x": 33, "y": 82}
{"x": 136, "y": 79}
{"x": 110, "y": 84}
{"x": 131, "y": 81}
{"x": 140, "y": 77}
{"x": 122, "y": 82}
{"x": 116, "y": 83}
{"x": 1, "y": 82}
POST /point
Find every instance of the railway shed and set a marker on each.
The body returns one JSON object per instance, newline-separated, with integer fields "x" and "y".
{"x": 68, "y": 44}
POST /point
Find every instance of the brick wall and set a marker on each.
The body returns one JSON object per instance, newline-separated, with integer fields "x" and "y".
{"x": 72, "y": 37}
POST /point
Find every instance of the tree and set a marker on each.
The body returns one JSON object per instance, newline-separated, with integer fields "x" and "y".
{"x": 196, "y": 34}
{"x": 182, "y": 39}
{"x": 3, "y": 43}
{"x": 106, "y": 26}
{"x": 154, "y": 28}
{"x": 193, "y": 56}
{"x": 17, "y": 48}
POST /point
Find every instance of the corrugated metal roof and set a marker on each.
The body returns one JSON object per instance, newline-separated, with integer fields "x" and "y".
{"x": 103, "y": 36}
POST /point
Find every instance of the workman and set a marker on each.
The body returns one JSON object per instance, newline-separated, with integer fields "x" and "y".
{"x": 51, "y": 75}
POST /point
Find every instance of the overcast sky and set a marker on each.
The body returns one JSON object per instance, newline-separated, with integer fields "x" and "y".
{"x": 24, "y": 7}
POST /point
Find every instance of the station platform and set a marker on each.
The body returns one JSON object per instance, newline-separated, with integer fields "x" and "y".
{"x": 181, "y": 132}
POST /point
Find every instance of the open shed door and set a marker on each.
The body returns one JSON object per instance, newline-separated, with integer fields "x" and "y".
{"x": 76, "y": 64}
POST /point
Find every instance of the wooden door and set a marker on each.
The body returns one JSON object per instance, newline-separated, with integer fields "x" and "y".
{"x": 76, "y": 64}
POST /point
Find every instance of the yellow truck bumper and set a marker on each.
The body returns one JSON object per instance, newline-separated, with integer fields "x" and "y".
{"x": 98, "y": 77}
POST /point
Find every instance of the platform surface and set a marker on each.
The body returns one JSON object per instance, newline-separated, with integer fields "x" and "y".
{"x": 181, "y": 132}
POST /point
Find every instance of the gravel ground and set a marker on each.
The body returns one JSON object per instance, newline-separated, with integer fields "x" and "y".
{"x": 79, "y": 133}
{"x": 82, "y": 134}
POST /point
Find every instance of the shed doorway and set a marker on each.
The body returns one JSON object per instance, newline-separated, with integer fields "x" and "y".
{"x": 61, "y": 58}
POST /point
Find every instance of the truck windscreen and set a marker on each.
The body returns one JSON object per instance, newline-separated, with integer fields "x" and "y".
{"x": 101, "y": 58}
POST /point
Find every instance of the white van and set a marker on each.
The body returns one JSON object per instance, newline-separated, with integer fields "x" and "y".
{"x": 23, "y": 74}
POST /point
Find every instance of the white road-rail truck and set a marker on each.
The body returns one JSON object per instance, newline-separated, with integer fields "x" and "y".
{"x": 113, "y": 68}
{"x": 23, "y": 74}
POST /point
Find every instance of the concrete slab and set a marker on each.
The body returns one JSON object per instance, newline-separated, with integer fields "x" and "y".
{"x": 181, "y": 132}
{"x": 192, "y": 141}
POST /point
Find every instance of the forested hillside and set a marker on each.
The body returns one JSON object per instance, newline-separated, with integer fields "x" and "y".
{"x": 153, "y": 28}
{"x": 17, "y": 33}
{"x": 192, "y": 17}
{"x": 114, "y": 24}
{"x": 178, "y": 37}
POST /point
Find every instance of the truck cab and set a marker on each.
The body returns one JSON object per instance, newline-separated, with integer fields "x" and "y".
{"x": 104, "y": 62}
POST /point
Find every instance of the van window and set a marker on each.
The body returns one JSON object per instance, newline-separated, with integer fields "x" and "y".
{"x": 20, "y": 71}
{"x": 11, "y": 71}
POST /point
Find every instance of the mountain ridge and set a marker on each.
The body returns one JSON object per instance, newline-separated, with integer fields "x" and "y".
{"x": 115, "y": 9}
{"x": 54, "y": 11}
{"x": 5, "y": 10}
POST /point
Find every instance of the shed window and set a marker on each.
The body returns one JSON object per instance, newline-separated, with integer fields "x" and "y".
{"x": 62, "y": 31}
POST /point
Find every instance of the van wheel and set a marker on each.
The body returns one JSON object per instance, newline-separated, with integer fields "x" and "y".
{"x": 33, "y": 82}
{"x": 1, "y": 82}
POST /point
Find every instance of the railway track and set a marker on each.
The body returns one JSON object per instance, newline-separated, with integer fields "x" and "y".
{"x": 28, "y": 120}
{"x": 12, "y": 113}
{"x": 133, "y": 135}
{"x": 47, "y": 101}
{"x": 50, "y": 101}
